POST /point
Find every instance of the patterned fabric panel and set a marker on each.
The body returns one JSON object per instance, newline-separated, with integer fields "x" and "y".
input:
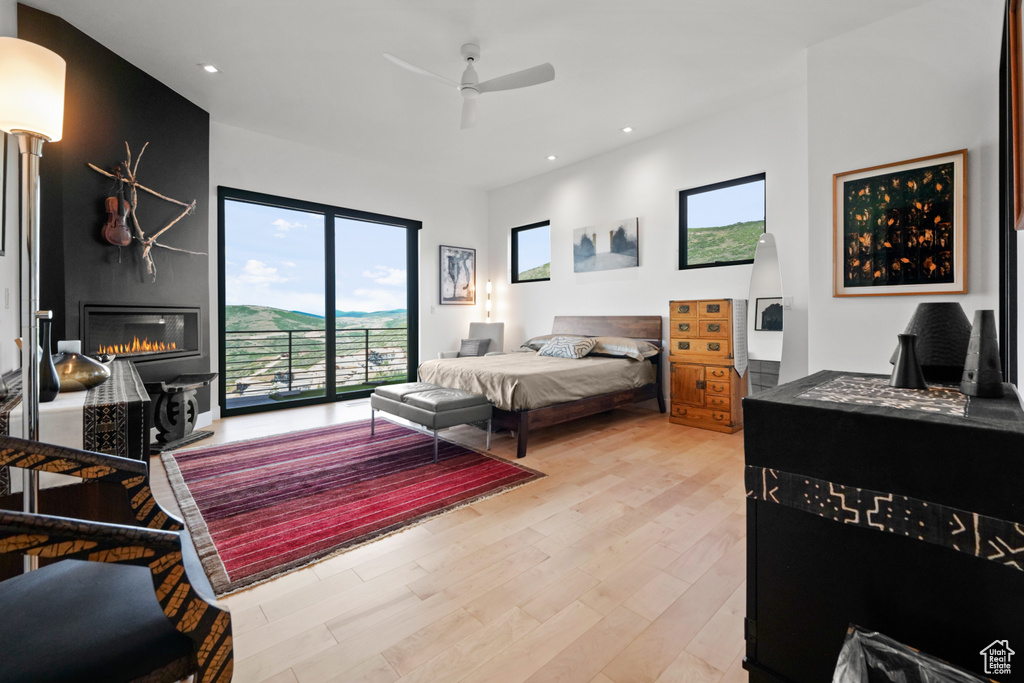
{"x": 968, "y": 532}
{"x": 568, "y": 347}
{"x": 875, "y": 391}
{"x": 13, "y": 381}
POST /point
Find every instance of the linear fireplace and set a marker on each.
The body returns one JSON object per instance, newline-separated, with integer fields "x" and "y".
{"x": 141, "y": 333}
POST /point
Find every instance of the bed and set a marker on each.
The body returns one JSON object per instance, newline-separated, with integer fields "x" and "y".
{"x": 530, "y": 392}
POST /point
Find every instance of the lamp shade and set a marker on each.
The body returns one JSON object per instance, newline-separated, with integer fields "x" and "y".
{"x": 32, "y": 87}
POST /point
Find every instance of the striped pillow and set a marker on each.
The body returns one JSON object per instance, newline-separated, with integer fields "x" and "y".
{"x": 568, "y": 347}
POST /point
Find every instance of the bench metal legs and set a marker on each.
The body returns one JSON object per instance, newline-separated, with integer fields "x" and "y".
{"x": 373, "y": 423}
{"x": 373, "y": 415}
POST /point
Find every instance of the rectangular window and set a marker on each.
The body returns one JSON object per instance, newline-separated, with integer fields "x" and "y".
{"x": 719, "y": 224}
{"x": 531, "y": 252}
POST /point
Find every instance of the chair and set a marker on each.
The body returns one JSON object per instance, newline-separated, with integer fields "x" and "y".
{"x": 124, "y": 603}
{"x": 493, "y": 331}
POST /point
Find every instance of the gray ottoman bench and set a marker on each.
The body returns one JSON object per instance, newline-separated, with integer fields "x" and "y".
{"x": 435, "y": 407}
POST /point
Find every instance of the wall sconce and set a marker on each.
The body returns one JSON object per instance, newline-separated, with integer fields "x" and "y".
{"x": 488, "y": 303}
{"x": 32, "y": 110}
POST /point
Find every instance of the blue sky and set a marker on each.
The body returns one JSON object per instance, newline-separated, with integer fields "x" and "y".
{"x": 275, "y": 257}
{"x": 534, "y": 247}
{"x": 726, "y": 206}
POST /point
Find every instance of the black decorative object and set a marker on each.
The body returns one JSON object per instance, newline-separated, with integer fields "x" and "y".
{"x": 906, "y": 373}
{"x": 942, "y": 330}
{"x": 175, "y": 410}
{"x": 983, "y": 376}
{"x": 49, "y": 384}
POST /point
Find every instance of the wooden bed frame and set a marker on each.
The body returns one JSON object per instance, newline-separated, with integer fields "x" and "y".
{"x": 646, "y": 327}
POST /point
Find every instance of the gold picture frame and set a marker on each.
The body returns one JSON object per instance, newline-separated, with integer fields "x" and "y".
{"x": 901, "y": 228}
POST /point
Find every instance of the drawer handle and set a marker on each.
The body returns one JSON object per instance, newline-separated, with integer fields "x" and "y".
{"x": 717, "y": 402}
{"x": 684, "y": 308}
{"x": 714, "y": 346}
{"x": 718, "y": 387}
{"x": 717, "y": 417}
{"x": 714, "y": 327}
{"x": 714, "y": 308}
{"x": 718, "y": 373}
{"x": 682, "y": 411}
{"x": 684, "y": 346}
{"x": 684, "y": 327}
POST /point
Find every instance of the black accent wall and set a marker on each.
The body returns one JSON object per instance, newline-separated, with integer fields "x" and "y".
{"x": 108, "y": 101}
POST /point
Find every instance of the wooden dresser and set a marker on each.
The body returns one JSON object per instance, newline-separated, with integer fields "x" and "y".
{"x": 706, "y": 389}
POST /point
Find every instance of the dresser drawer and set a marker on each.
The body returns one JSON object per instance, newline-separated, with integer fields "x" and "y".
{"x": 715, "y": 308}
{"x": 683, "y": 327}
{"x": 714, "y": 329}
{"x": 719, "y": 402}
{"x": 702, "y": 417}
{"x": 719, "y": 374}
{"x": 719, "y": 387}
{"x": 694, "y": 347}
{"x": 683, "y": 309}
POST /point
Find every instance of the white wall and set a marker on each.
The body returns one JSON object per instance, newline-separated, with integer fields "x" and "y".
{"x": 10, "y": 319}
{"x": 923, "y": 82}
{"x": 644, "y": 179}
{"x": 450, "y": 214}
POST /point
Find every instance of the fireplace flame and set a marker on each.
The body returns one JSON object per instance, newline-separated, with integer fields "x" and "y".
{"x": 137, "y": 346}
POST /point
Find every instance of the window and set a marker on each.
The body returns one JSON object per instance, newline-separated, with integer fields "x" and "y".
{"x": 719, "y": 224}
{"x": 531, "y": 252}
{"x": 314, "y": 301}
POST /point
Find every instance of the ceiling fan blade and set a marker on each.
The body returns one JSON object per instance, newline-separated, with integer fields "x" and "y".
{"x": 520, "y": 79}
{"x": 417, "y": 70}
{"x": 468, "y": 113}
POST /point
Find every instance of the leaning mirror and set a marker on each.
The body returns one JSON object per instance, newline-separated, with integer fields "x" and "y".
{"x": 765, "y": 322}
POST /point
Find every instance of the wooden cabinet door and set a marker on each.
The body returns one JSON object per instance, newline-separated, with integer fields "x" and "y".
{"x": 688, "y": 384}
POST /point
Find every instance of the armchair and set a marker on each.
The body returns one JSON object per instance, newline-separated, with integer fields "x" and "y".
{"x": 495, "y": 332}
{"x": 124, "y": 602}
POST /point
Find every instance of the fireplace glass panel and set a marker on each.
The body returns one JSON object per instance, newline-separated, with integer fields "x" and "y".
{"x": 141, "y": 332}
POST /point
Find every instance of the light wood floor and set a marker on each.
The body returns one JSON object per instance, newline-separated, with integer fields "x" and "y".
{"x": 625, "y": 564}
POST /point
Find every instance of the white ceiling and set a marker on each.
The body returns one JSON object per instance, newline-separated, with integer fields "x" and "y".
{"x": 312, "y": 70}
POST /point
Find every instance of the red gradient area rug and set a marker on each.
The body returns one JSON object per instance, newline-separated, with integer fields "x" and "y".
{"x": 259, "y": 508}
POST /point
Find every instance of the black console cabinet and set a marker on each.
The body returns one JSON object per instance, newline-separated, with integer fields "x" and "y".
{"x": 838, "y": 496}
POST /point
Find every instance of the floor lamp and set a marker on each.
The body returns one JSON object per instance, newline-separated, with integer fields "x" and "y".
{"x": 32, "y": 110}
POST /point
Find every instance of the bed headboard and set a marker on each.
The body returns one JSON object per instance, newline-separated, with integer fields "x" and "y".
{"x": 646, "y": 327}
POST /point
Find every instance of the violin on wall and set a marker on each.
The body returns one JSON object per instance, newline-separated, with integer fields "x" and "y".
{"x": 115, "y": 229}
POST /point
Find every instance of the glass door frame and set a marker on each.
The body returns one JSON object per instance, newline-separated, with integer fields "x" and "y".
{"x": 329, "y": 214}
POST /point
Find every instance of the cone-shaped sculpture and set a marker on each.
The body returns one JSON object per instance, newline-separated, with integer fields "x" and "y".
{"x": 943, "y": 331}
{"x": 906, "y": 372}
{"x": 983, "y": 376}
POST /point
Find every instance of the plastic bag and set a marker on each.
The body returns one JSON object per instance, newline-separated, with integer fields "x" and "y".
{"x": 870, "y": 657}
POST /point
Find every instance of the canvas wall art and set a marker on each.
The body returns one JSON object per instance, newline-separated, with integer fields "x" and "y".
{"x": 606, "y": 246}
{"x": 458, "y": 275}
{"x": 901, "y": 228}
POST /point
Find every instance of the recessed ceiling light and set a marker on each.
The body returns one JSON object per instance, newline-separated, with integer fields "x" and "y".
{"x": 551, "y": 157}
{"x": 627, "y": 129}
{"x": 209, "y": 68}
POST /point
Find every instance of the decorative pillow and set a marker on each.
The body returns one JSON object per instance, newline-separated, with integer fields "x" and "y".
{"x": 473, "y": 347}
{"x": 568, "y": 347}
{"x": 624, "y": 346}
{"x": 537, "y": 342}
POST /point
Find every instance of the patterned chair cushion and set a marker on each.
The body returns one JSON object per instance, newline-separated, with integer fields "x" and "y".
{"x": 568, "y": 347}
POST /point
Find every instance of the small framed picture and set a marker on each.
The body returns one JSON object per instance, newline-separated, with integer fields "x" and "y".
{"x": 458, "y": 275}
{"x": 768, "y": 314}
{"x": 901, "y": 228}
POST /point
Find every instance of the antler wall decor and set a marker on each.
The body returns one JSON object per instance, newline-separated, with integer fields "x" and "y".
{"x": 128, "y": 174}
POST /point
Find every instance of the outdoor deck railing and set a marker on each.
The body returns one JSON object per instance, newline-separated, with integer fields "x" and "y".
{"x": 292, "y": 363}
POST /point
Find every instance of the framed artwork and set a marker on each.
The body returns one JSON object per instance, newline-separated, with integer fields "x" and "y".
{"x": 1016, "y": 58}
{"x": 768, "y": 314}
{"x": 901, "y": 228}
{"x": 606, "y": 246}
{"x": 458, "y": 275}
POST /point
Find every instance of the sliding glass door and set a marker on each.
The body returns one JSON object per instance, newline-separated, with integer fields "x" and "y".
{"x": 317, "y": 302}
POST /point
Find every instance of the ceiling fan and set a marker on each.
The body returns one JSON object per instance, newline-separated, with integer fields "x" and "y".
{"x": 470, "y": 88}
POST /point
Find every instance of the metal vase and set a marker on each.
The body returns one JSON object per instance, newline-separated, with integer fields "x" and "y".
{"x": 906, "y": 372}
